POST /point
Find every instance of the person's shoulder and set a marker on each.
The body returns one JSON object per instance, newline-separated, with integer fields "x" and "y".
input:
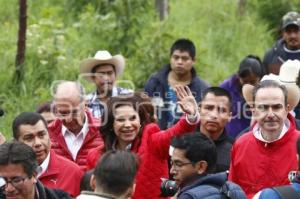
{"x": 266, "y": 194}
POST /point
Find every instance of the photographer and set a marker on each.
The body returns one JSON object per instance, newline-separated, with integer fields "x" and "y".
{"x": 193, "y": 160}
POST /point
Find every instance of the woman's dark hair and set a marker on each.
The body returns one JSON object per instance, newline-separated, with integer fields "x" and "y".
{"x": 251, "y": 64}
{"x": 140, "y": 103}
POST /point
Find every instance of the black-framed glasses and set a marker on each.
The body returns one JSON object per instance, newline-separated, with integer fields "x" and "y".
{"x": 178, "y": 164}
{"x": 16, "y": 182}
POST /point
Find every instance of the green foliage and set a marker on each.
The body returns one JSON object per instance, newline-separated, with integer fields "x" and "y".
{"x": 61, "y": 33}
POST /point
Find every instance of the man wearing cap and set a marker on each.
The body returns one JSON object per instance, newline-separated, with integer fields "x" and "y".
{"x": 180, "y": 71}
{"x": 288, "y": 47}
{"x": 264, "y": 156}
{"x": 102, "y": 70}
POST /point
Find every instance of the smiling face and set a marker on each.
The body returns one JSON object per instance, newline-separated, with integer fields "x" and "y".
{"x": 23, "y": 187}
{"x": 37, "y": 137}
{"x": 215, "y": 114}
{"x": 126, "y": 124}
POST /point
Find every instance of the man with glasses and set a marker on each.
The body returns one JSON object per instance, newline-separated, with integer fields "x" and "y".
{"x": 18, "y": 177}
{"x": 31, "y": 128}
{"x": 75, "y": 131}
{"x": 180, "y": 71}
{"x": 193, "y": 162}
{"x": 264, "y": 156}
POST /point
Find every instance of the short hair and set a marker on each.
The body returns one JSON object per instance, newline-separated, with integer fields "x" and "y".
{"x": 270, "y": 84}
{"x": 44, "y": 107}
{"x": 77, "y": 84}
{"x": 197, "y": 147}
{"x": 25, "y": 118}
{"x": 218, "y": 91}
{"x": 184, "y": 45}
{"x": 18, "y": 153}
{"x": 251, "y": 64}
{"x": 115, "y": 172}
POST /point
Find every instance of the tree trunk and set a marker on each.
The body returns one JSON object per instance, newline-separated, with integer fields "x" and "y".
{"x": 21, "y": 45}
{"x": 241, "y": 7}
{"x": 162, "y": 8}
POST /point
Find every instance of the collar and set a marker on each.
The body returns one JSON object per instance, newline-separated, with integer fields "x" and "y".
{"x": 84, "y": 130}
{"x": 44, "y": 166}
{"x": 258, "y": 134}
{"x": 290, "y": 51}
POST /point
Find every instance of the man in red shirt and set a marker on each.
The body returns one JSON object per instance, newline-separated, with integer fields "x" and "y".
{"x": 75, "y": 131}
{"x": 264, "y": 156}
{"x": 54, "y": 171}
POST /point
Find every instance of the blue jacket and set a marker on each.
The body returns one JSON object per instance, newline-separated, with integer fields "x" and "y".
{"x": 271, "y": 193}
{"x": 157, "y": 87}
{"x": 208, "y": 187}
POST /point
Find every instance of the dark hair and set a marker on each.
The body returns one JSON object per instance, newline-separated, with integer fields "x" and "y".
{"x": 115, "y": 172}
{"x": 270, "y": 84}
{"x": 18, "y": 153}
{"x": 251, "y": 64}
{"x": 197, "y": 147}
{"x": 102, "y": 64}
{"x": 85, "y": 181}
{"x": 134, "y": 100}
{"x": 218, "y": 91}
{"x": 184, "y": 45}
{"x": 45, "y": 107}
{"x": 30, "y": 118}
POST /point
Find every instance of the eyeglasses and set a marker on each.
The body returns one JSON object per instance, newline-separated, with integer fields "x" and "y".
{"x": 266, "y": 107}
{"x": 178, "y": 165}
{"x": 67, "y": 113}
{"x": 16, "y": 182}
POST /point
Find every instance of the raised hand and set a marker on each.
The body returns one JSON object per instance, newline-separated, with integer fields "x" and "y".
{"x": 186, "y": 100}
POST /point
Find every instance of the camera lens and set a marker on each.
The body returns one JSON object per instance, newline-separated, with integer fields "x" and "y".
{"x": 168, "y": 188}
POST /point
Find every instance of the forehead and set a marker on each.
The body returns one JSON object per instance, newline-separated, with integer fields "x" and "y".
{"x": 12, "y": 170}
{"x": 211, "y": 99}
{"x": 29, "y": 129}
{"x": 269, "y": 96}
{"x": 104, "y": 68}
{"x": 178, "y": 154}
{"x": 124, "y": 110}
{"x": 181, "y": 53}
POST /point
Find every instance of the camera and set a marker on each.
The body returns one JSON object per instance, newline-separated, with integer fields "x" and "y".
{"x": 168, "y": 187}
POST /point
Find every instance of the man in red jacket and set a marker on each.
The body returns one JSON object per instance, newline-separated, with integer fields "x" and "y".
{"x": 263, "y": 157}
{"x": 75, "y": 131}
{"x": 54, "y": 171}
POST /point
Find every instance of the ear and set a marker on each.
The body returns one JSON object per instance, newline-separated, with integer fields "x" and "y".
{"x": 130, "y": 191}
{"x": 230, "y": 117}
{"x": 201, "y": 166}
{"x": 34, "y": 177}
{"x": 93, "y": 182}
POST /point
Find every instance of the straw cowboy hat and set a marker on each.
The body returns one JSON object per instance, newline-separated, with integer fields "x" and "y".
{"x": 287, "y": 76}
{"x": 101, "y": 57}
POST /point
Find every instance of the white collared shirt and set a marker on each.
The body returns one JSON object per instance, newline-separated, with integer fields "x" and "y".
{"x": 74, "y": 142}
{"x": 44, "y": 166}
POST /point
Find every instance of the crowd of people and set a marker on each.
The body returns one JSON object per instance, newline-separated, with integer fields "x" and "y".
{"x": 178, "y": 138}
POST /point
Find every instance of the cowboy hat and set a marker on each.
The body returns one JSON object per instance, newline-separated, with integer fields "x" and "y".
{"x": 101, "y": 57}
{"x": 287, "y": 77}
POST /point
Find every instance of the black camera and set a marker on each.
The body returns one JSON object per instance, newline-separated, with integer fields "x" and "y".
{"x": 168, "y": 187}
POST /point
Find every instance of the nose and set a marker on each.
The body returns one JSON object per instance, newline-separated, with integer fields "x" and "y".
{"x": 127, "y": 123}
{"x": 37, "y": 142}
{"x": 270, "y": 112}
{"x": 9, "y": 187}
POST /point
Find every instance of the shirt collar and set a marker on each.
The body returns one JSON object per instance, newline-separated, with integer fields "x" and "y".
{"x": 44, "y": 166}
{"x": 84, "y": 130}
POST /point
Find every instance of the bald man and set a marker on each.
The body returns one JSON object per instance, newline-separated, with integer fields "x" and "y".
{"x": 75, "y": 131}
